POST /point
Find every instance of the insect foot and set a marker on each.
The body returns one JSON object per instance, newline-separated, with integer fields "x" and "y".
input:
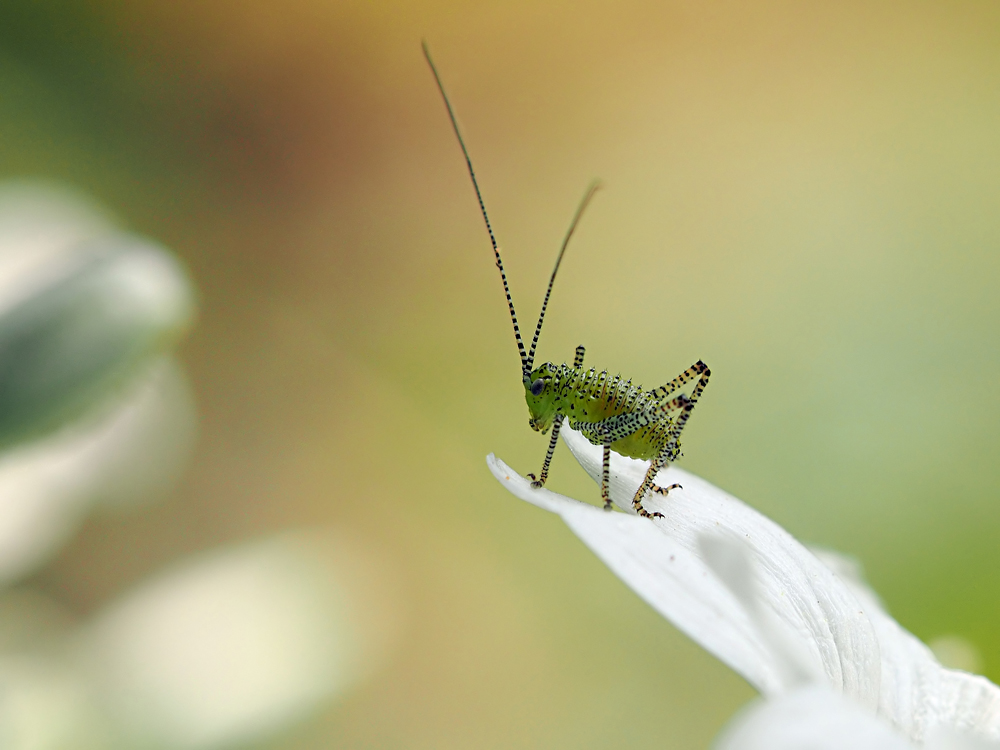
{"x": 536, "y": 484}
{"x": 645, "y": 513}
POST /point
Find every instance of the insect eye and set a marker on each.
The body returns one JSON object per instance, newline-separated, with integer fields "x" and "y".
{"x": 537, "y": 386}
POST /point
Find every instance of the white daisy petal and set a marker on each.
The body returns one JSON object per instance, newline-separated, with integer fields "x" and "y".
{"x": 798, "y": 590}
{"x": 944, "y": 738}
{"x": 917, "y": 692}
{"x": 662, "y": 563}
{"x": 970, "y": 703}
{"x": 812, "y": 718}
{"x": 732, "y": 560}
{"x": 749, "y": 593}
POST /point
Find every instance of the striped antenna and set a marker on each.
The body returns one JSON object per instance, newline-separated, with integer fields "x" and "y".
{"x": 525, "y": 361}
{"x": 548, "y": 292}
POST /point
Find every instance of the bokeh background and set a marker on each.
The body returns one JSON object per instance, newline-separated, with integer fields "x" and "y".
{"x": 804, "y": 195}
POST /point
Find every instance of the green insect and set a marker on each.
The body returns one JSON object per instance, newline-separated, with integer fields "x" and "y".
{"x": 608, "y": 411}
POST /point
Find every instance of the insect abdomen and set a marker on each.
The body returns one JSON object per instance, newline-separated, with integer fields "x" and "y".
{"x": 587, "y": 396}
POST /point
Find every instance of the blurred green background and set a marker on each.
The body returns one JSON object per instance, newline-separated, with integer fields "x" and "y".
{"x": 803, "y": 195}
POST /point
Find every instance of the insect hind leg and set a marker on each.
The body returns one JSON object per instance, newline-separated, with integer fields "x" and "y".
{"x": 667, "y": 455}
{"x": 698, "y": 370}
{"x": 671, "y": 450}
{"x": 647, "y": 484}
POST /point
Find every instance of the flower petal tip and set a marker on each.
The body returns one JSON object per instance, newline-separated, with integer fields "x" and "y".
{"x": 520, "y": 486}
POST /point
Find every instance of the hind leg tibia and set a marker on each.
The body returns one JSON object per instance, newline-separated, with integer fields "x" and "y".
{"x": 646, "y": 486}
{"x": 698, "y": 370}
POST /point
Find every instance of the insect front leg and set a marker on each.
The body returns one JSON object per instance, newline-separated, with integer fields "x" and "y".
{"x": 544, "y": 473}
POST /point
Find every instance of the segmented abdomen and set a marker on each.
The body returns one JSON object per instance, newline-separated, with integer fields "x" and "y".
{"x": 587, "y": 396}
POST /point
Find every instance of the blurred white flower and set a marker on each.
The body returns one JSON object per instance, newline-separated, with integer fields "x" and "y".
{"x": 83, "y": 309}
{"x": 767, "y": 606}
{"x": 91, "y": 407}
{"x": 133, "y": 451}
{"x": 221, "y": 649}
{"x": 233, "y": 644}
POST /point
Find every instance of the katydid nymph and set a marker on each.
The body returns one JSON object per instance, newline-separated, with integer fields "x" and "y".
{"x": 609, "y": 411}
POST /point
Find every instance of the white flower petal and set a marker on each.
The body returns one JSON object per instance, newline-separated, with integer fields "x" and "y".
{"x": 816, "y": 718}
{"x": 732, "y": 560}
{"x": 797, "y": 589}
{"x": 943, "y": 738}
{"x": 661, "y": 562}
{"x": 838, "y": 626}
{"x": 41, "y": 226}
{"x": 968, "y": 702}
{"x": 811, "y": 718}
{"x": 917, "y": 692}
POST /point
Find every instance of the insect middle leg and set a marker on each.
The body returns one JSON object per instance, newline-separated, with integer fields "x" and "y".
{"x": 606, "y": 475}
{"x": 556, "y": 425}
{"x": 607, "y": 431}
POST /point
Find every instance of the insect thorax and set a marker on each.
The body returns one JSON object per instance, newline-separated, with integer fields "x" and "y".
{"x": 586, "y": 397}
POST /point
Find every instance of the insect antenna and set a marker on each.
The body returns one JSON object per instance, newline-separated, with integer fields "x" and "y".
{"x": 552, "y": 280}
{"x": 525, "y": 361}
